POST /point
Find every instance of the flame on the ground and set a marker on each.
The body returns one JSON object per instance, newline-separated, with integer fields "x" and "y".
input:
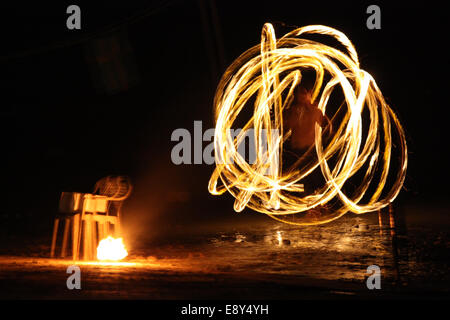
{"x": 111, "y": 249}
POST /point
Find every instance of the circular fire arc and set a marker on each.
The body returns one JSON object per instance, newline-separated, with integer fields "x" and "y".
{"x": 271, "y": 71}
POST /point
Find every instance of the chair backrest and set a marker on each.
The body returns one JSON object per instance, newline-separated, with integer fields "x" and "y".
{"x": 116, "y": 188}
{"x": 95, "y": 203}
{"x": 70, "y": 202}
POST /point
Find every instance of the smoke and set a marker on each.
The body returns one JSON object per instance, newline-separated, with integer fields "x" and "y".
{"x": 151, "y": 211}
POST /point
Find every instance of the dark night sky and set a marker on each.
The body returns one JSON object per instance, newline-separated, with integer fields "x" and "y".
{"x": 60, "y": 132}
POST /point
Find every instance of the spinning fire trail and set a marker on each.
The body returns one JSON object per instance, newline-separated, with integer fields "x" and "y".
{"x": 264, "y": 78}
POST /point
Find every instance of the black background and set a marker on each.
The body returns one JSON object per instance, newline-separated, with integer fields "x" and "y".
{"x": 59, "y": 132}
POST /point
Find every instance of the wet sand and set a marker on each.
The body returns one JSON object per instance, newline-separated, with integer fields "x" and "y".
{"x": 261, "y": 261}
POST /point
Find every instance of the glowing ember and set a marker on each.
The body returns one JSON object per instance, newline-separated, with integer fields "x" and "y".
{"x": 268, "y": 75}
{"x": 111, "y": 249}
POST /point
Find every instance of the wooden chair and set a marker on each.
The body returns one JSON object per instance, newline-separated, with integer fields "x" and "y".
{"x": 93, "y": 217}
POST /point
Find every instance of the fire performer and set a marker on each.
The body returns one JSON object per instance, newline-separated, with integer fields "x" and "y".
{"x": 267, "y": 70}
{"x": 301, "y": 119}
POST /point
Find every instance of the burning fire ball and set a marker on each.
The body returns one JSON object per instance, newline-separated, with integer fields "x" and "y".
{"x": 110, "y": 249}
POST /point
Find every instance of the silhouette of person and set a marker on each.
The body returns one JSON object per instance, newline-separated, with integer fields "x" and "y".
{"x": 301, "y": 119}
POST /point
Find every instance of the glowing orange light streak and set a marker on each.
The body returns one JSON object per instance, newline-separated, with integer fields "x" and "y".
{"x": 268, "y": 73}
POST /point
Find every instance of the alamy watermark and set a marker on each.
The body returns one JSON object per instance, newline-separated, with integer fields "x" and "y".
{"x": 190, "y": 148}
{"x": 374, "y": 20}
{"x": 374, "y": 279}
{"x": 73, "y": 21}
{"x": 74, "y": 280}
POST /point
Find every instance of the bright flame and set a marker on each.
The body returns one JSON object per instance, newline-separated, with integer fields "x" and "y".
{"x": 111, "y": 249}
{"x": 267, "y": 74}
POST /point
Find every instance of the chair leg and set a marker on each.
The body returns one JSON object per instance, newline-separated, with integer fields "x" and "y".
{"x": 93, "y": 239}
{"x": 85, "y": 240}
{"x": 75, "y": 236}
{"x": 105, "y": 230}
{"x": 117, "y": 229}
{"x": 101, "y": 229}
{"x": 65, "y": 237}
{"x": 55, "y": 232}
{"x": 88, "y": 238}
